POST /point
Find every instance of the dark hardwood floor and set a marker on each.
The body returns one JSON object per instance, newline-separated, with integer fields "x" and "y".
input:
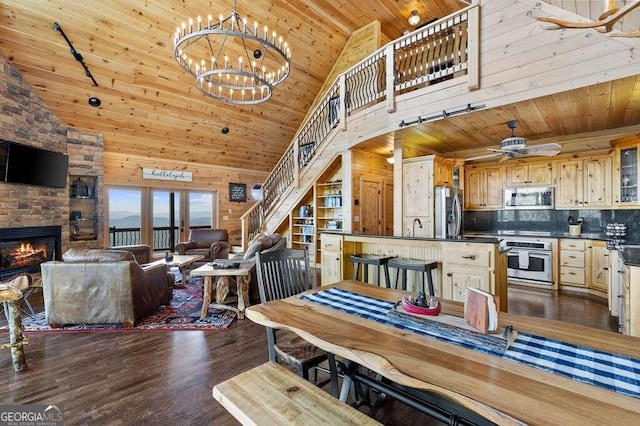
{"x": 165, "y": 378}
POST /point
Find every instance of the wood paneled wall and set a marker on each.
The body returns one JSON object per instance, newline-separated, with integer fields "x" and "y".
{"x": 123, "y": 170}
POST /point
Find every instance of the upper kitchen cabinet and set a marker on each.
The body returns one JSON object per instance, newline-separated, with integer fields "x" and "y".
{"x": 537, "y": 174}
{"x": 483, "y": 188}
{"x": 443, "y": 172}
{"x": 584, "y": 183}
{"x": 417, "y": 196}
{"x": 626, "y": 176}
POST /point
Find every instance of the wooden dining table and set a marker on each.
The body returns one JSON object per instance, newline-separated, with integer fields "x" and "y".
{"x": 501, "y": 390}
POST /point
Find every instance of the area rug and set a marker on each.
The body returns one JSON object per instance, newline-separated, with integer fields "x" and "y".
{"x": 182, "y": 314}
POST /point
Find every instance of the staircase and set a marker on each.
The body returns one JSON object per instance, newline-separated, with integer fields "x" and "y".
{"x": 430, "y": 55}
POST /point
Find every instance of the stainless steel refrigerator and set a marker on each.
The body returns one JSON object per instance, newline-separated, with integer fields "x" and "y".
{"x": 448, "y": 212}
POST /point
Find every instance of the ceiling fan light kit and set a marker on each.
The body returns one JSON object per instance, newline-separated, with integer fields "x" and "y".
{"x": 232, "y": 60}
{"x": 515, "y": 146}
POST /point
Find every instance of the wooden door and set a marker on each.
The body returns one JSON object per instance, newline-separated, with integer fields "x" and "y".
{"x": 570, "y": 184}
{"x": 387, "y": 202}
{"x": 417, "y": 184}
{"x": 597, "y": 183}
{"x": 371, "y": 207}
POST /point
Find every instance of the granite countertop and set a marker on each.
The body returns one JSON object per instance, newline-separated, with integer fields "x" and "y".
{"x": 630, "y": 255}
{"x": 465, "y": 239}
{"x": 507, "y": 233}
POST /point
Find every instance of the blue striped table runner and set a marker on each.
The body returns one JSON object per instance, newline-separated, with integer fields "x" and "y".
{"x": 617, "y": 373}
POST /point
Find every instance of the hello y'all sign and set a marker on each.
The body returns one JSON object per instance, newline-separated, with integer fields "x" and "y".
{"x": 174, "y": 175}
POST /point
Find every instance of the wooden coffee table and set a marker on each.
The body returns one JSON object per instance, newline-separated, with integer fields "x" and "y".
{"x": 242, "y": 276}
{"x": 184, "y": 262}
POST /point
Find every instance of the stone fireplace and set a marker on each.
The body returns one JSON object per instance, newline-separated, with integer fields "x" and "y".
{"x": 24, "y": 249}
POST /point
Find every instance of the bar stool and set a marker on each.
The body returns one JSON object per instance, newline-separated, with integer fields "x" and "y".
{"x": 371, "y": 259}
{"x": 424, "y": 266}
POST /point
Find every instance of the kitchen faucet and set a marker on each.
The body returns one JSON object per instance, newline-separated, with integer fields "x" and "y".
{"x": 413, "y": 233}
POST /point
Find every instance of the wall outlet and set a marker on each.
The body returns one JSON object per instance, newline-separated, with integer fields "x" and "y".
{"x": 225, "y": 217}
{"x": 603, "y": 223}
{"x": 474, "y": 221}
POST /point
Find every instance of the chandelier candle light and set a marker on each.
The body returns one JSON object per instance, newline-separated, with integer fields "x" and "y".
{"x": 208, "y": 51}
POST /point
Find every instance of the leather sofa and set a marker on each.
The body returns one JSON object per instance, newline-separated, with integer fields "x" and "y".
{"x": 101, "y": 287}
{"x": 210, "y": 243}
{"x": 142, "y": 252}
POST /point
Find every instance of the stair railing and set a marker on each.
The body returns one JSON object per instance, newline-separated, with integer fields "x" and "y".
{"x": 445, "y": 49}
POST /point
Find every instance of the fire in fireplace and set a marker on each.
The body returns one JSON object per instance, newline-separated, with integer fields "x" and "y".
{"x": 24, "y": 249}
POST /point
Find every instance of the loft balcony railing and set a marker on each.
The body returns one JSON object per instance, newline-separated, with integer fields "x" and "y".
{"x": 165, "y": 238}
{"x": 440, "y": 51}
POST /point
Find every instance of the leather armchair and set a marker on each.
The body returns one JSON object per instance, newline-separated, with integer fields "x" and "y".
{"x": 101, "y": 287}
{"x": 210, "y": 243}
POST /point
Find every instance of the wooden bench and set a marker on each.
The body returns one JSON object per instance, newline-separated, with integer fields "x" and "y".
{"x": 270, "y": 394}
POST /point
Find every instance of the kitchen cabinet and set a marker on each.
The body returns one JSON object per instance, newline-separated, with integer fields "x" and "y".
{"x": 443, "y": 173}
{"x": 574, "y": 262}
{"x": 626, "y": 177}
{"x": 463, "y": 268}
{"x": 417, "y": 197}
{"x": 584, "y": 183}
{"x": 331, "y": 258}
{"x": 537, "y": 174}
{"x": 600, "y": 265}
{"x": 631, "y": 302}
{"x": 483, "y": 188}
{"x": 83, "y": 201}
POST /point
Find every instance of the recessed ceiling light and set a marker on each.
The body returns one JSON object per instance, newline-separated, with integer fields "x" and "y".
{"x": 94, "y": 102}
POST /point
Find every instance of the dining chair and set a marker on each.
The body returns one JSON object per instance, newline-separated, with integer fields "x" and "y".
{"x": 284, "y": 273}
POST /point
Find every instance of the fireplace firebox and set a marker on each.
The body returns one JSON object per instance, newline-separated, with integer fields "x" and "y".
{"x": 24, "y": 249}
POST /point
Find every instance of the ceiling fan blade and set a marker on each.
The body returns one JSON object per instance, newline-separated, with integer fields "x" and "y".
{"x": 542, "y": 152}
{"x": 507, "y": 157}
{"x": 480, "y": 157}
{"x": 545, "y": 147}
{"x": 494, "y": 150}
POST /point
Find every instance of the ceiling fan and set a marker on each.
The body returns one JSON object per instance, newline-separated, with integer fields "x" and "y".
{"x": 515, "y": 146}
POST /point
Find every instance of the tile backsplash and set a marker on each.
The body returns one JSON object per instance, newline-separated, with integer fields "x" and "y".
{"x": 552, "y": 221}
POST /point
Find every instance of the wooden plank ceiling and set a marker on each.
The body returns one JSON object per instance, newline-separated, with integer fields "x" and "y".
{"x": 150, "y": 107}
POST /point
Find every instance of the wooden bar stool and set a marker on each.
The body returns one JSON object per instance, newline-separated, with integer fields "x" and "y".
{"x": 424, "y": 266}
{"x": 371, "y": 259}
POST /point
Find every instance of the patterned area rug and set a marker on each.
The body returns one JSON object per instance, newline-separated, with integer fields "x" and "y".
{"x": 182, "y": 314}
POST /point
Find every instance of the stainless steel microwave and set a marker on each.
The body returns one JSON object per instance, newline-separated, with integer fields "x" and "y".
{"x": 528, "y": 198}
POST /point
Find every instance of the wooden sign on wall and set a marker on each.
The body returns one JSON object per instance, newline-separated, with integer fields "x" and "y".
{"x": 179, "y": 176}
{"x": 237, "y": 192}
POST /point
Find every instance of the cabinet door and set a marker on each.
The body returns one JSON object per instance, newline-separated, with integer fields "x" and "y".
{"x": 331, "y": 267}
{"x": 473, "y": 190}
{"x": 597, "y": 183}
{"x": 443, "y": 174}
{"x": 493, "y": 188}
{"x": 540, "y": 174}
{"x": 626, "y": 177}
{"x": 458, "y": 279}
{"x": 517, "y": 175}
{"x": 600, "y": 265}
{"x": 570, "y": 187}
{"x": 417, "y": 197}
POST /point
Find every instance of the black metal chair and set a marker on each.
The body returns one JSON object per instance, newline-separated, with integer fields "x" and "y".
{"x": 284, "y": 273}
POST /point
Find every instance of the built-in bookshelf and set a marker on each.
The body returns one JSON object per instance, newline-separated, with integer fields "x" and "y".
{"x": 303, "y": 225}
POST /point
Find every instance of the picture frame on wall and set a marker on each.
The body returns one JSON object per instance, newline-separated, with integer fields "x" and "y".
{"x": 237, "y": 192}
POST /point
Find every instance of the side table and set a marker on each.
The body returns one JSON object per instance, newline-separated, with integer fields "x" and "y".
{"x": 12, "y": 298}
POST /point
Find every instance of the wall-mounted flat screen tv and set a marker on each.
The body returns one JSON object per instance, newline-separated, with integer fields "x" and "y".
{"x": 32, "y": 166}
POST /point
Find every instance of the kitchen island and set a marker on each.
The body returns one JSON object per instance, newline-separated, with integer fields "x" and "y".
{"x": 467, "y": 262}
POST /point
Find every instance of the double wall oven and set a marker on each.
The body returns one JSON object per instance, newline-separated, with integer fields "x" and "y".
{"x": 529, "y": 261}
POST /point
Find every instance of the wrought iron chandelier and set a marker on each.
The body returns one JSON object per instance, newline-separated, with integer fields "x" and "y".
{"x": 232, "y": 60}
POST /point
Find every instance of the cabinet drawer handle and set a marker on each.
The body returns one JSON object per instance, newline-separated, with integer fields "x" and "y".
{"x": 472, "y": 257}
{"x": 449, "y": 274}
{"x": 572, "y": 257}
{"x": 572, "y": 273}
{"x": 606, "y": 269}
